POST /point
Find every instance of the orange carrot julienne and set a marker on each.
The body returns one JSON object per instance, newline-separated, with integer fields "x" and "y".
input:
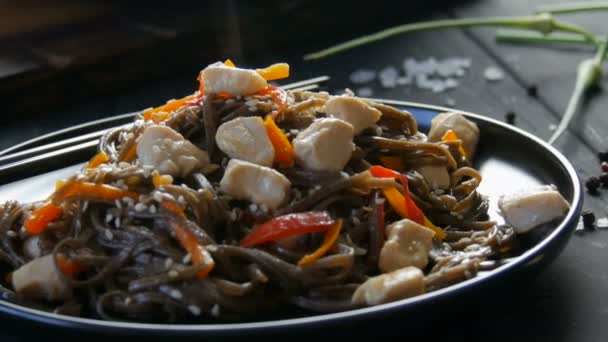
{"x": 99, "y": 159}
{"x": 39, "y": 219}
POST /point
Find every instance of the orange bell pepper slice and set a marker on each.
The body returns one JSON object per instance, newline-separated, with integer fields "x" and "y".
{"x": 403, "y": 204}
{"x": 329, "y": 240}
{"x": 274, "y": 72}
{"x": 450, "y": 135}
{"x": 283, "y": 150}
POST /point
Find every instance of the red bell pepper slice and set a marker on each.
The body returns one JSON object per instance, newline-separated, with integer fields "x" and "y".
{"x": 289, "y": 225}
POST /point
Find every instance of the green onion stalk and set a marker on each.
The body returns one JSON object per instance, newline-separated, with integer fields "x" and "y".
{"x": 589, "y": 73}
{"x": 543, "y": 23}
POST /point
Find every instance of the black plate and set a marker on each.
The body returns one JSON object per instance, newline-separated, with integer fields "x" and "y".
{"x": 508, "y": 158}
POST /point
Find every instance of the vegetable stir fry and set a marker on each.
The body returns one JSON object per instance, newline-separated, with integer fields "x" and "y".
{"x": 243, "y": 201}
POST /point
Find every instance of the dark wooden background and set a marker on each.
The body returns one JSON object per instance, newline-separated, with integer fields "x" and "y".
{"x": 61, "y": 65}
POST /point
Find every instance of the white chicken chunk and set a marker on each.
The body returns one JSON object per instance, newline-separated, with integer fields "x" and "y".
{"x": 467, "y": 130}
{"x": 325, "y": 145}
{"x": 354, "y": 111}
{"x": 407, "y": 244}
{"x": 245, "y": 138}
{"x": 388, "y": 287}
{"x": 219, "y": 78}
{"x": 168, "y": 152}
{"x": 40, "y": 278}
{"x": 258, "y": 184}
{"x": 436, "y": 175}
{"x": 528, "y": 208}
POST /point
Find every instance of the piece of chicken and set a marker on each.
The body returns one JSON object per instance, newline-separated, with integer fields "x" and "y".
{"x": 168, "y": 152}
{"x": 245, "y": 138}
{"x": 258, "y": 184}
{"x": 388, "y": 287}
{"x": 354, "y": 111}
{"x": 220, "y": 78}
{"x": 528, "y": 208}
{"x": 40, "y": 278}
{"x": 466, "y": 130}
{"x": 407, "y": 244}
{"x": 325, "y": 145}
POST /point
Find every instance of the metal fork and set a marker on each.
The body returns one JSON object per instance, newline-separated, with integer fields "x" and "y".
{"x": 71, "y": 141}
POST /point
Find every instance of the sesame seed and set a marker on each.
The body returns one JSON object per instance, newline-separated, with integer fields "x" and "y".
{"x": 176, "y": 294}
{"x": 118, "y": 204}
{"x": 158, "y": 197}
{"x": 251, "y": 103}
{"x": 253, "y": 109}
{"x": 11, "y": 233}
{"x": 181, "y": 199}
{"x": 294, "y": 131}
{"x": 356, "y": 221}
{"x": 187, "y": 258}
{"x": 253, "y": 207}
{"x": 117, "y": 222}
{"x": 378, "y": 130}
{"x": 168, "y": 263}
{"x": 229, "y": 101}
{"x": 173, "y": 274}
{"x": 128, "y": 201}
{"x": 211, "y": 248}
{"x": 152, "y": 209}
{"x": 195, "y": 310}
{"x": 232, "y": 214}
{"x": 123, "y": 165}
{"x": 139, "y": 207}
{"x": 85, "y": 205}
{"x": 215, "y": 310}
{"x": 128, "y": 300}
{"x": 108, "y": 234}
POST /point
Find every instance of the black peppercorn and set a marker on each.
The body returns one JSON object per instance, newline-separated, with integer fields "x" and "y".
{"x": 604, "y": 179}
{"x": 602, "y": 156}
{"x": 592, "y": 184}
{"x": 532, "y": 90}
{"x": 604, "y": 166}
{"x": 588, "y": 218}
{"x": 510, "y": 118}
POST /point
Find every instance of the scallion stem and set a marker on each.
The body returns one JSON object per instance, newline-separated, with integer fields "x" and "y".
{"x": 518, "y": 36}
{"x": 543, "y": 23}
{"x": 588, "y": 74}
{"x": 573, "y": 7}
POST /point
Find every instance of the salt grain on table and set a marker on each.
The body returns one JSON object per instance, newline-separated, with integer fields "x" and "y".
{"x": 388, "y": 77}
{"x": 365, "y": 92}
{"x": 362, "y": 76}
{"x": 493, "y": 74}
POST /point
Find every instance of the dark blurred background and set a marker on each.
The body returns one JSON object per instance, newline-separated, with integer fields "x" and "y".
{"x": 55, "y": 54}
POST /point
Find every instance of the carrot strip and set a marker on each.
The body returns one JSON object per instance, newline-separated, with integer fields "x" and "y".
{"x": 67, "y": 266}
{"x": 329, "y": 240}
{"x": 39, "y": 219}
{"x": 97, "y": 160}
{"x": 188, "y": 241}
{"x": 393, "y": 163}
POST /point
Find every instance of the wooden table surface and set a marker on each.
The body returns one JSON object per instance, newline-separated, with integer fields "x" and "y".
{"x": 568, "y": 301}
